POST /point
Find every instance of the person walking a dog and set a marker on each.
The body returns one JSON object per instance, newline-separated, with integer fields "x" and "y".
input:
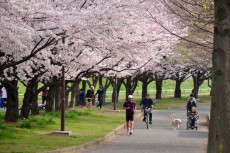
{"x": 191, "y": 103}
{"x": 147, "y": 102}
{"x": 90, "y": 96}
{"x": 130, "y": 107}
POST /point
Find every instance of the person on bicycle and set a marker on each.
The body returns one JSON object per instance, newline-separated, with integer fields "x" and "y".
{"x": 130, "y": 107}
{"x": 191, "y": 103}
{"x": 147, "y": 102}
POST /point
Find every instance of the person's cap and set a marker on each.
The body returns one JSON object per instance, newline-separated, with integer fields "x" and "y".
{"x": 148, "y": 95}
{"x": 191, "y": 95}
{"x": 130, "y": 97}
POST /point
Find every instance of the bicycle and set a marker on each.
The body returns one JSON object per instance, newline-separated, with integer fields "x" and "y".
{"x": 147, "y": 110}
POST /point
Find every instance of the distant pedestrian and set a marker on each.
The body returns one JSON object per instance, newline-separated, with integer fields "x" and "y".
{"x": 82, "y": 97}
{"x": 100, "y": 93}
{"x": 4, "y": 97}
{"x": 130, "y": 107}
{"x": 1, "y": 100}
{"x": 44, "y": 96}
{"x": 90, "y": 96}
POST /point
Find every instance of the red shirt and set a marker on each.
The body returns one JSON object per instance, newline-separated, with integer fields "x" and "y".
{"x": 131, "y": 105}
{"x": 44, "y": 93}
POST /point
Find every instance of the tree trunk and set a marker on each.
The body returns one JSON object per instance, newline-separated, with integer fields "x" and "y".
{"x": 144, "y": 88}
{"x": 130, "y": 86}
{"x": 57, "y": 97}
{"x": 159, "y": 83}
{"x": 34, "y": 105}
{"x": 34, "y": 99}
{"x": 77, "y": 102}
{"x": 66, "y": 95}
{"x": 30, "y": 100}
{"x": 50, "y": 99}
{"x": 114, "y": 95}
{"x": 119, "y": 83}
{"x": 198, "y": 80}
{"x": 84, "y": 88}
{"x": 12, "y": 113}
{"x": 105, "y": 86}
{"x": 177, "y": 93}
{"x": 114, "y": 85}
{"x": 219, "y": 133}
{"x": 72, "y": 98}
{"x": 25, "y": 109}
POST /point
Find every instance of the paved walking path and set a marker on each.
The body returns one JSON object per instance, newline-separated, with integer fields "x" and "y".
{"x": 160, "y": 138}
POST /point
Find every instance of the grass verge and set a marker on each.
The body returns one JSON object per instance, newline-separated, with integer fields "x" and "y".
{"x": 169, "y": 102}
{"x": 32, "y": 135}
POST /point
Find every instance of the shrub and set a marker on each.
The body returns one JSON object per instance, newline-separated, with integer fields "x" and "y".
{"x": 25, "y": 124}
{"x": 76, "y": 113}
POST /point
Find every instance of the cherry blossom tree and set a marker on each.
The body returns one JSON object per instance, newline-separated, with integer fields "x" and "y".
{"x": 87, "y": 37}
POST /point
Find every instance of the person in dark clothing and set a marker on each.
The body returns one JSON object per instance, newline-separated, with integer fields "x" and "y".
{"x": 90, "y": 96}
{"x": 82, "y": 97}
{"x": 100, "y": 93}
{"x": 147, "y": 102}
{"x": 1, "y": 100}
{"x": 130, "y": 107}
{"x": 191, "y": 103}
{"x": 44, "y": 96}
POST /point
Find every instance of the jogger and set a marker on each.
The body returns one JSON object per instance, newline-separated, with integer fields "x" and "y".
{"x": 130, "y": 107}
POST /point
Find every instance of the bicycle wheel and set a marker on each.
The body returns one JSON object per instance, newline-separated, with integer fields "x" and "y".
{"x": 147, "y": 120}
{"x": 187, "y": 125}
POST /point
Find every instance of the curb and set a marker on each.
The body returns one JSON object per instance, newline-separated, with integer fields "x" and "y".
{"x": 94, "y": 143}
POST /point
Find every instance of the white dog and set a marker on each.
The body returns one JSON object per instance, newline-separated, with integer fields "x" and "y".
{"x": 175, "y": 123}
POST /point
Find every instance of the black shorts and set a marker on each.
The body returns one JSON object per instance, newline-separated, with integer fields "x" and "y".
{"x": 129, "y": 117}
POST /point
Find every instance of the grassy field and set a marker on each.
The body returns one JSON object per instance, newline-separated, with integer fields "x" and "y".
{"x": 32, "y": 135}
{"x": 168, "y": 90}
{"x": 169, "y": 102}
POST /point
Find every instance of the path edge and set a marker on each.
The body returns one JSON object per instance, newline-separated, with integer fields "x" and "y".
{"x": 80, "y": 148}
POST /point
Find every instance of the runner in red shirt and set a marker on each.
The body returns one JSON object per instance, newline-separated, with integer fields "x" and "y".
{"x": 130, "y": 107}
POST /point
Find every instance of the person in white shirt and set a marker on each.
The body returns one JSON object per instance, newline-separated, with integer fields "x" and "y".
{"x": 4, "y": 96}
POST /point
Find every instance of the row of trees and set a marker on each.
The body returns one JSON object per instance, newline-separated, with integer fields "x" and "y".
{"x": 208, "y": 22}
{"x": 89, "y": 38}
{"x": 130, "y": 82}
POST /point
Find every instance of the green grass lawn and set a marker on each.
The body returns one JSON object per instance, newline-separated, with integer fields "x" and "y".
{"x": 32, "y": 135}
{"x": 168, "y": 90}
{"x": 169, "y": 102}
